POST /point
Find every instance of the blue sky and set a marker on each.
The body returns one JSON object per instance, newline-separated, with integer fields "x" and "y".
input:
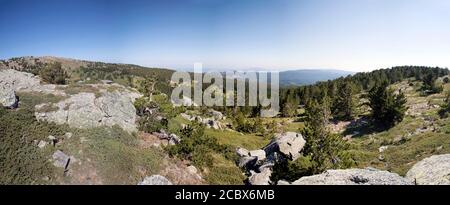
{"x": 357, "y": 35}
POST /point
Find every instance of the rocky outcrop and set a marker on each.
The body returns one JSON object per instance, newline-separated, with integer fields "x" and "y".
{"x": 210, "y": 122}
{"x": 434, "y": 170}
{"x": 21, "y": 81}
{"x": 8, "y": 96}
{"x": 289, "y": 144}
{"x": 85, "y": 110}
{"x": 354, "y": 177}
{"x": 258, "y": 163}
{"x": 155, "y": 180}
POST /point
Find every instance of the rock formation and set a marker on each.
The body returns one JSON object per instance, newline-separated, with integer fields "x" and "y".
{"x": 434, "y": 170}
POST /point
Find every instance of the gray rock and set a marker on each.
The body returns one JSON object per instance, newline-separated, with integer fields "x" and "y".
{"x": 434, "y": 170}
{"x": 21, "y": 81}
{"x": 68, "y": 135}
{"x": 282, "y": 182}
{"x": 155, "y": 180}
{"x": 247, "y": 162}
{"x": 84, "y": 110}
{"x": 60, "y": 159}
{"x": 382, "y": 148}
{"x": 216, "y": 114}
{"x": 354, "y": 177}
{"x": 241, "y": 152}
{"x": 262, "y": 178}
{"x": 186, "y": 116}
{"x": 192, "y": 169}
{"x": 8, "y": 96}
{"x": 260, "y": 154}
{"x": 174, "y": 139}
{"x": 42, "y": 144}
{"x": 289, "y": 144}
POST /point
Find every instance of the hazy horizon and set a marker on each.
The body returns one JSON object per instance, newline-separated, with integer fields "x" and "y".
{"x": 350, "y": 35}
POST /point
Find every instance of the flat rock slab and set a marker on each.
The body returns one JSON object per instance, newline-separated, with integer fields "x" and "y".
{"x": 155, "y": 180}
{"x": 354, "y": 177}
{"x": 60, "y": 159}
{"x": 434, "y": 170}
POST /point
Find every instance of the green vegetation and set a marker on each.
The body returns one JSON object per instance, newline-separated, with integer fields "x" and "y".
{"x": 114, "y": 153}
{"x": 198, "y": 147}
{"x": 387, "y": 108}
{"x": 21, "y": 161}
{"x": 53, "y": 73}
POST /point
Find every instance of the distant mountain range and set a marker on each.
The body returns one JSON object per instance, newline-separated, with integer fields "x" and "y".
{"x": 287, "y": 78}
{"x": 310, "y": 76}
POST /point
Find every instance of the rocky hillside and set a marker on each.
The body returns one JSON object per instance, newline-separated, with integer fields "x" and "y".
{"x": 103, "y": 127}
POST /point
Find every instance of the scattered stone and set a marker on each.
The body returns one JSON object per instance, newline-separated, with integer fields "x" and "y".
{"x": 68, "y": 135}
{"x": 155, "y": 180}
{"x": 216, "y": 114}
{"x": 354, "y": 177}
{"x": 61, "y": 159}
{"x": 191, "y": 169}
{"x": 42, "y": 144}
{"x": 382, "y": 148}
{"x": 434, "y": 170}
{"x": 174, "y": 139}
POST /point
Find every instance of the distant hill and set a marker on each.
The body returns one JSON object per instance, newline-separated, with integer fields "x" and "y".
{"x": 310, "y": 76}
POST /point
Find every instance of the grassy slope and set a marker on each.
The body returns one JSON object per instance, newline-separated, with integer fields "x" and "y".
{"x": 402, "y": 155}
{"x": 101, "y": 155}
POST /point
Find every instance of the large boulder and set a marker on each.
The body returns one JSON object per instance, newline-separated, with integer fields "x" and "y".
{"x": 289, "y": 144}
{"x": 155, "y": 180}
{"x": 8, "y": 96}
{"x": 21, "y": 81}
{"x": 434, "y": 170}
{"x": 354, "y": 177}
{"x": 86, "y": 110}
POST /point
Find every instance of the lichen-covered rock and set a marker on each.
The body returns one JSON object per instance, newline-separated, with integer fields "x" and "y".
{"x": 354, "y": 177}
{"x": 155, "y": 180}
{"x": 262, "y": 178}
{"x": 85, "y": 110}
{"x": 60, "y": 159}
{"x": 289, "y": 144}
{"x": 260, "y": 154}
{"x": 21, "y": 81}
{"x": 8, "y": 96}
{"x": 434, "y": 170}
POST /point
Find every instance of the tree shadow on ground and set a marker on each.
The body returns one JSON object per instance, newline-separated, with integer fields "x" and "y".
{"x": 364, "y": 126}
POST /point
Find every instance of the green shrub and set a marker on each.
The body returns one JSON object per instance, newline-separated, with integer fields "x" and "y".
{"x": 198, "y": 147}
{"x": 53, "y": 73}
{"x": 21, "y": 161}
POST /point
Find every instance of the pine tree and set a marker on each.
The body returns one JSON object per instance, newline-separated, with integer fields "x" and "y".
{"x": 325, "y": 149}
{"x": 290, "y": 105}
{"x": 387, "y": 108}
{"x": 344, "y": 106}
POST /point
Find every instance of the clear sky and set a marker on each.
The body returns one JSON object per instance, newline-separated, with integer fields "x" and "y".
{"x": 357, "y": 35}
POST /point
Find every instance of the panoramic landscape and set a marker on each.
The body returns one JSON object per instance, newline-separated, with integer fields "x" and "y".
{"x": 81, "y": 108}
